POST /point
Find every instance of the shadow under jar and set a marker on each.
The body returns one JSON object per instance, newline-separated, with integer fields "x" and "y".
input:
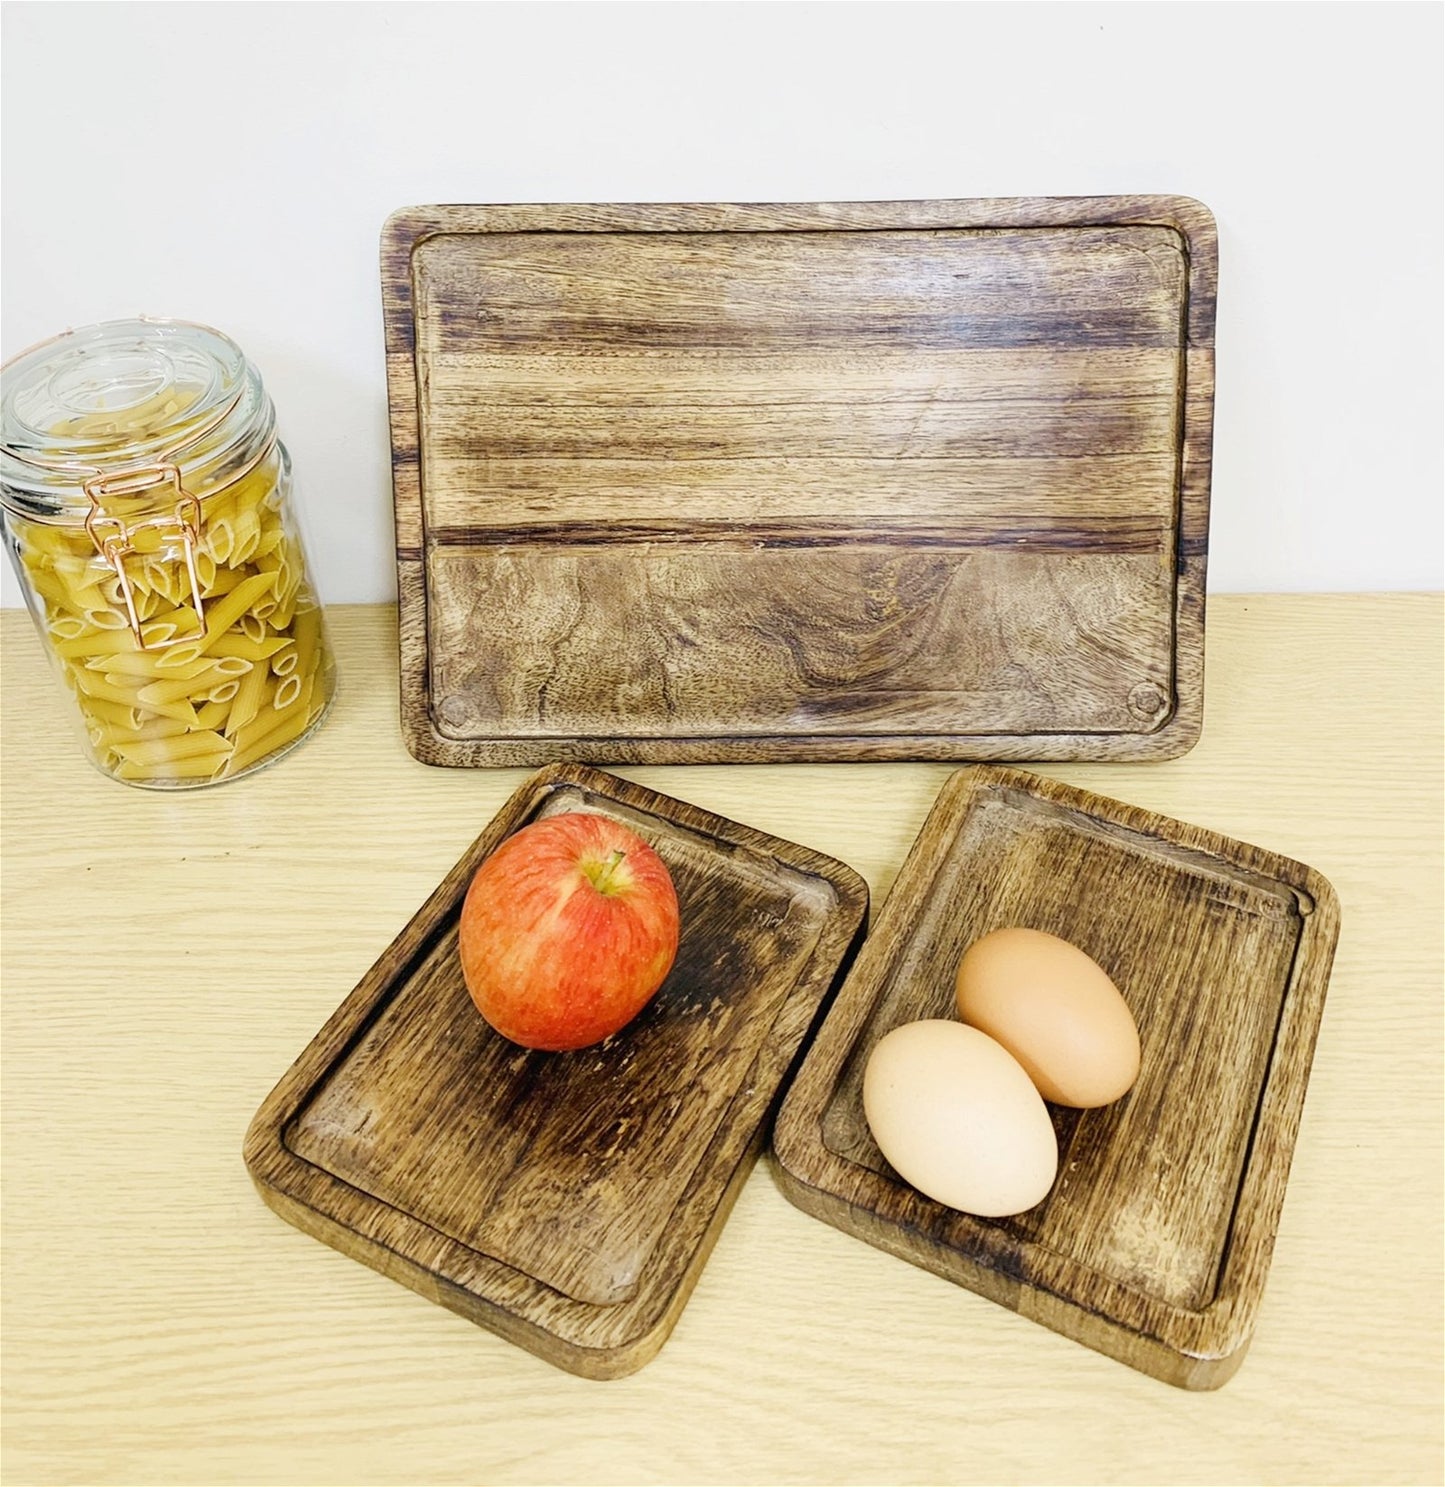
{"x": 147, "y": 508}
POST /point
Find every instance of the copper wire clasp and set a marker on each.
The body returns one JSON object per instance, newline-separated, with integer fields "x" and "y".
{"x": 182, "y": 520}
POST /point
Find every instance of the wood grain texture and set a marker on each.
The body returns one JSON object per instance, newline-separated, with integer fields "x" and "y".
{"x": 567, "y": 1201}
{"x": 862, "y": 640}
{"x": 1155, "y": 1242}
{"x": 163, "y": 961}
{"x": 968, "y": 442}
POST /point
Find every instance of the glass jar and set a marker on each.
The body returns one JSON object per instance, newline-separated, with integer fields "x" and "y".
{"x": 146, "y": 503}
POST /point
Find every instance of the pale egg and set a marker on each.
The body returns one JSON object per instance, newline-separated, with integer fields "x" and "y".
{"x": 1056, "y": 1010}
{"x": 958, "y": 1118}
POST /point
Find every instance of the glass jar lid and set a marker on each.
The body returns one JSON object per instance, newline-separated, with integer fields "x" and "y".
{"x": 127, "y": 395}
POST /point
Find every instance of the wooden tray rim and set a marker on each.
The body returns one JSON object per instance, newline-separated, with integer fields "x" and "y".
{"x": 306, "y": 1194}
{"x": 1174, "y": 735}
{"x": 1194, "y": 1348}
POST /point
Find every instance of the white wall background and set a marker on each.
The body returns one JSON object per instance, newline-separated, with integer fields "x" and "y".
{"x": 233, "y": 163}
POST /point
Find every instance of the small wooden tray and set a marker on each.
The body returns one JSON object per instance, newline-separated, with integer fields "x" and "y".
{"x": 565, "y": 1201}
{"x": 903, "y": 480}
{"x": 1154, "y": 1244}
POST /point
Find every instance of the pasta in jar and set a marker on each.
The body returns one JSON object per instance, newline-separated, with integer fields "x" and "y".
{"x": 147, "y": 510}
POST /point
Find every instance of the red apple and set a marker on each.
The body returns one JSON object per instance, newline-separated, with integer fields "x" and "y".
{"x": 567, "y": 931}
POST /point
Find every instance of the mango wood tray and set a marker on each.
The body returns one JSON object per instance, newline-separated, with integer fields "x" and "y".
{"x": 566, "y": 1201}
{"x": 910, "y": 480}
{"x": 1154, "y": 1244}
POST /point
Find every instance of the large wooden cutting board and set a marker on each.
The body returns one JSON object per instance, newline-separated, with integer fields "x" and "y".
{"x": 858, "y": 481}
{"x": 567, "y": 1201}
{"x": 1155, "y": 1242}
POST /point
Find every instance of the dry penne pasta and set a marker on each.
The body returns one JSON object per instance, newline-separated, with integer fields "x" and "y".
{"x": 286, "y": 728}
{"x": 183, "y": 621}
{"x": 156, "y": 728}
{"x": 225, "y": 580}
{"x": 201, "y": 683}
{"x": 230, "y": 607}
{"x": 197, "y": 767}
{"x": 234, "y": 675}
{"x": 118, "y": 713}
{"x": 222, "y": 538}
{"x": 285, "y": 609}
{"x": 157, "y": 633}
{"x": 213, "y": 714}
{"x": 107, "y": 619}
{"x": 249, "y": 696}
{"x": 178, "y": 655}
{"x": 183, "y": 629}
{"x": 152, "y": 665}
{"x": 96, "y": 686}
{"x": 159, "y": 750}
{"x": 248, "y": 535}
{"x": 240, "y": 643}
{"x": 90, "y": 643}
{"x": 271, "y": 539}
{"x": 152, "y": 577}
{"x": 50, "y": 586}
{"x": 306, "y": 633}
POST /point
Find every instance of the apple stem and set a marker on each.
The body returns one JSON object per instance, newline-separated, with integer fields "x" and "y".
{"x": 602, "y": 878}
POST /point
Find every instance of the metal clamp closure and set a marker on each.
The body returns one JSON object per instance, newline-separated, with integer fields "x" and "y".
{"x": 114, "y": 536}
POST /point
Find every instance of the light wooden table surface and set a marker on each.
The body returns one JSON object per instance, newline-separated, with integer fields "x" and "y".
{"x": 165, "y": 958}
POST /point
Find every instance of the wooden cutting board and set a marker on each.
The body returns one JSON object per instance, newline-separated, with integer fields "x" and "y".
{"x": 1154, "y": 1245}
{"x": 566, "y": 1201}
{"x": 920, "y": 480}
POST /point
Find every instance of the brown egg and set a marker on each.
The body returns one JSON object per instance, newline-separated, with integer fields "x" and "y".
{"x": 958, "y": 1119}
{"x": 1055, "y": 1010}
